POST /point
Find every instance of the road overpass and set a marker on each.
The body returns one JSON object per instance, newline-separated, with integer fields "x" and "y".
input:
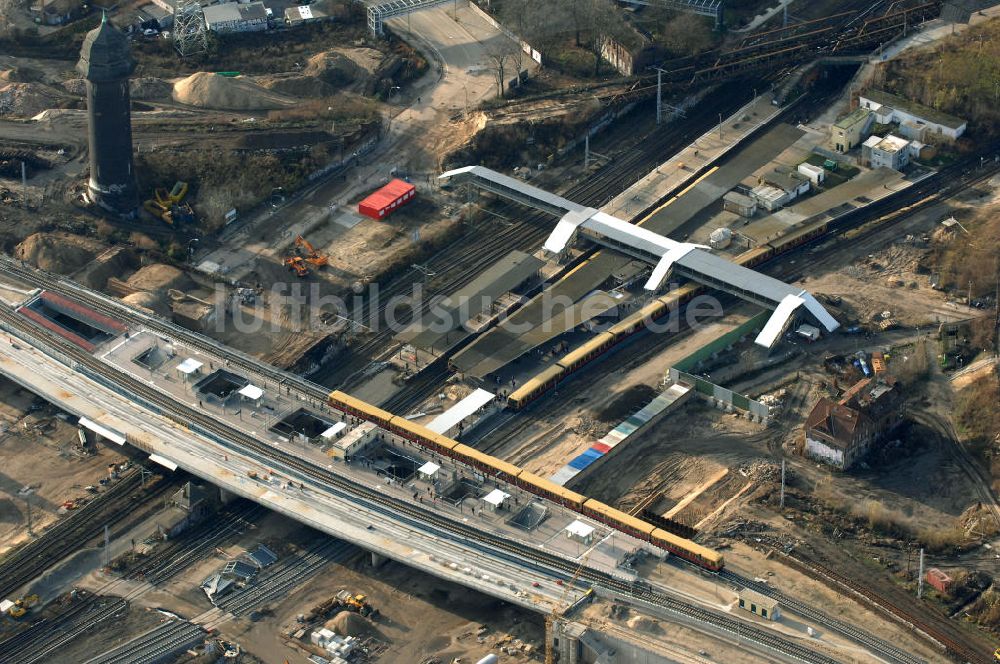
{"x": 155, "y": 410}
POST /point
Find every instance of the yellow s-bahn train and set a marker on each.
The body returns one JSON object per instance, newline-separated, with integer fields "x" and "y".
{"x": 491, "y": 466}
{"x": 653, "y": 310}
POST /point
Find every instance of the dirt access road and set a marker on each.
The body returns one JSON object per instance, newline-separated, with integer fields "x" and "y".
{"x": 456, "y": 42}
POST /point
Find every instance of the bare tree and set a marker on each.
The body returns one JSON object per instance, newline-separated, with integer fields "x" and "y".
{"x": 7, "y": 8}
{"x": 687, "y": 34}
{"x": 499, "y": 53}
{"x": 602, "y": 20}
{"x": 528, "y": 21}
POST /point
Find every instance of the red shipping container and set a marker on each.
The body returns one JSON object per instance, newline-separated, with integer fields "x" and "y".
{"x": 938, "y": 579}
{"x": 381, "y": 203}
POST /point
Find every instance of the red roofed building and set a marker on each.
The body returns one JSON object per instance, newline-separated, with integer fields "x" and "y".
{"x": 938, "y": 580}
{"x": 840, "y": 433}
{"x": 383, "y": 202}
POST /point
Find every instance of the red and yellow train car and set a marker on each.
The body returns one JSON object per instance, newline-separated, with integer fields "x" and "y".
{"x": 550, "y": 490}
{"x": 535, "y": 484}
{"x": 691, "y": 551}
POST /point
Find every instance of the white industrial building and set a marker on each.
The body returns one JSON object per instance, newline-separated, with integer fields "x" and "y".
{"x": 353, "y": 442}
{"x": 779, "y": 189}
{"x": 889, "y": 152}
{"x": 300, "y": 14}
{"x": 915, "y": 121}
{"x": 236, "y": 17}
{"x": 815, "y": 174}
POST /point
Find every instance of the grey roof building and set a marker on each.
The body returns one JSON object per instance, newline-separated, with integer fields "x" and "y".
{"x": 236, "y": 17}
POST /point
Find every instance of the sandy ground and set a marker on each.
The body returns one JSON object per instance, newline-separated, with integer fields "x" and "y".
{"x": 48, "y": 443}
{"x": 563, "y": 427}
{"x": 421, "y": 616}
{"x": 415, "y": 135}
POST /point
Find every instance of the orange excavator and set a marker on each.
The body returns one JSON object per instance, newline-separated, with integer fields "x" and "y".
{"x": 297, "y": 265}
{"x": 312, "y": 256}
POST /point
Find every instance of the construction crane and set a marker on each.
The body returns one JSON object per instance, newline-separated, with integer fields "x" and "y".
{"x": 551, "y": 618}
{"x": 313, "y": 257}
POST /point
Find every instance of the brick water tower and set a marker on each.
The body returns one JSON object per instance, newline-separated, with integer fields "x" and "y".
{"x": 106, "y": 64}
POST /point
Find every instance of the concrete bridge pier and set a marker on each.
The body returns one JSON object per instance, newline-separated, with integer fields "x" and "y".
{"x": 378, "y": 560}
{"x": 226, "y": 496}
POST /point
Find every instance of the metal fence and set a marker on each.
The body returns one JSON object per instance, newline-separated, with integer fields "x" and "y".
{"x": 721, "y": 395}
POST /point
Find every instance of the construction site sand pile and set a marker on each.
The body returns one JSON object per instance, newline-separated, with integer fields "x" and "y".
{"x": 160, "y": 277}
{"x": 150, "y": 87}
{"x": 147, "y": 87}
{"x": 157, "y": 303}
{"x": 297, "y": 85}
{"x": 26, "y": 99}
{"x": 58, "y": 252}
{"x": 368, "y": 59}
{"x": 75, "y": 86}
{"x": 207, "y": 90}
{"x": 335, "y": 69}
{"x": 643, "y": 624}
{"x": 347, "y": 623}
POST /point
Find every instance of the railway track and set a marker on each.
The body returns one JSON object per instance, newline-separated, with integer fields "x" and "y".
{"x": 67, "y": 535}
{"x": 283, "y": 576}
{"x": 816, "y": 616}
{"x": 962, "y": 457}
{"x": 950, "y": 641}
{"x": 87, "y": 611}
{"x": 464, "y": 261}
{"x": 156, "y": 645}
{"x": 42, "y": 641}
{"x": 193, "y": 545}
{"x": 413, "y": 515}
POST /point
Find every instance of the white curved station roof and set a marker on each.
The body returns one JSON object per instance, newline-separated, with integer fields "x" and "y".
{"x": 692, "y": 260}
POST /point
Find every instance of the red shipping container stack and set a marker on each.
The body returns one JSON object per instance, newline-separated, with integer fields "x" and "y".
{"x": 379, "y": 204}
{"x": 938, "y": 579}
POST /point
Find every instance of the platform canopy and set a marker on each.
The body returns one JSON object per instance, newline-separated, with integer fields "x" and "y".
{"x": 428, "y": 469}
{"x": 190, "y": 366}
{"x": 102, "y": 430}
{"x": 333, "y": 431}
{"x": 463, "y": 410}
{"x": 496, "y": 497}
{"x": 580, "y": 529}
{"x": 251, "y": 392}
{"x": 695, "y": 262}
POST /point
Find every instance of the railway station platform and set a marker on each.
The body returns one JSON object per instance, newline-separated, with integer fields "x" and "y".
{"x": 671, "y": 217}
{"x": 535, "y": 322}
{"x": 639, "y": 199}
{"x": 474, "y": 305}
{"x": 864, "y": 189}
{"x": 205, "y": 454}
{"x": 500, "y": 346}
{"x": 668, "y": 399}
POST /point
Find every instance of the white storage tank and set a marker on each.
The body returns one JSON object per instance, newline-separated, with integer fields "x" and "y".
{"x": 720, "y": 238}
{"x": 489, "y": 659}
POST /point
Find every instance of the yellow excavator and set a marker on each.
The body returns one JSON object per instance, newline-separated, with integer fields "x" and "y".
{"x": 21, "y": 606}
{"x": 167, "y": 205}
